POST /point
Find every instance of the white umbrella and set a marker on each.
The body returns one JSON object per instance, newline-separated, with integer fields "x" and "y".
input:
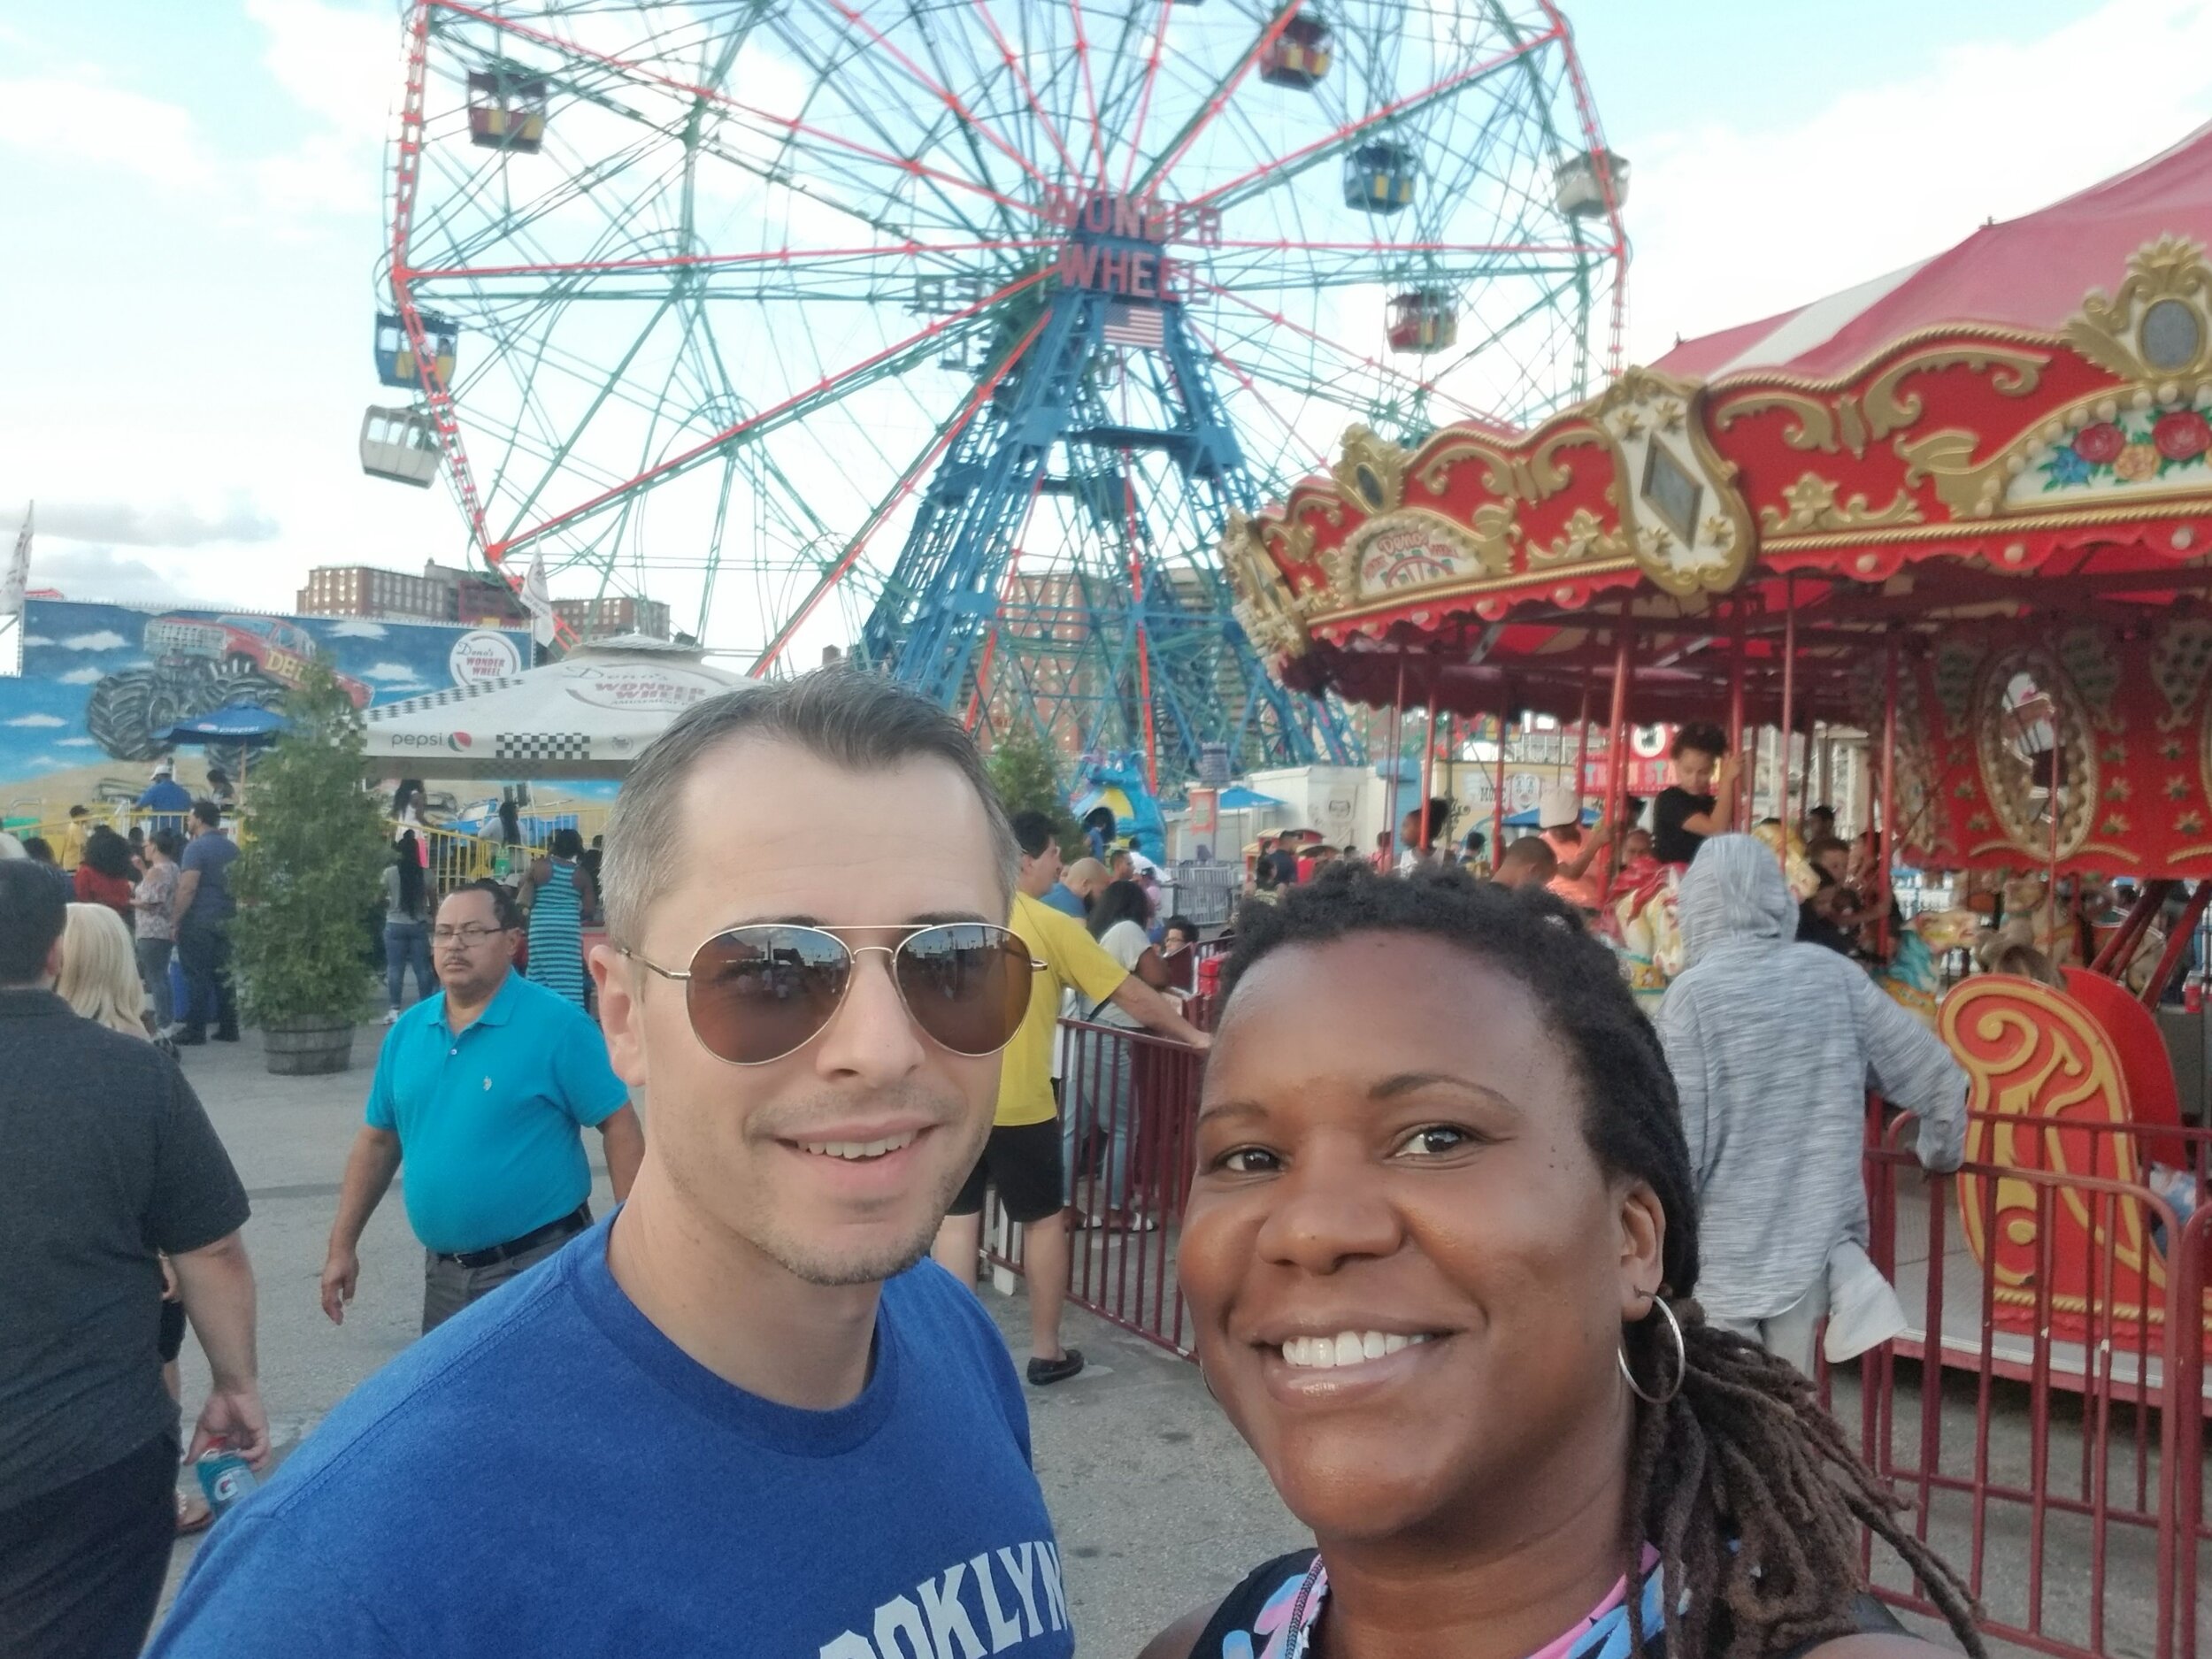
{"x": 590, "y": 714}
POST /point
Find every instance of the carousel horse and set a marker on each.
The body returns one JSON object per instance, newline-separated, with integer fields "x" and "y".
{"x": 1914, "y": 978}
{"x": 1640, "y": 922}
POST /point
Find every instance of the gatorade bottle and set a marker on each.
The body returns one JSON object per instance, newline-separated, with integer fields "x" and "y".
{"x": 225, "y": 1478}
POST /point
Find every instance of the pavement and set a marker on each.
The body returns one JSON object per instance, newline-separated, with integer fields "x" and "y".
{"x": 1158, "y": 1504}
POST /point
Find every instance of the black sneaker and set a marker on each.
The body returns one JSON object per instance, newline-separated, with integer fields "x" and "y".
{"x": 190, "y": 1039}
{"x": 227, "y": 1036}
{"x": 1044, "y": 1373}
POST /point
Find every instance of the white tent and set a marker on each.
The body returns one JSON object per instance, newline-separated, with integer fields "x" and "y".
{"x": 590, "y": 714}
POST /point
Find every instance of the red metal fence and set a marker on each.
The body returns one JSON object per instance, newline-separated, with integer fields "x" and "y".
{"x": 2055, "y": 1450}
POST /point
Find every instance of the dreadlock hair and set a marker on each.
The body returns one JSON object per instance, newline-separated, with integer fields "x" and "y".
{"x": 1741, "y": 1480}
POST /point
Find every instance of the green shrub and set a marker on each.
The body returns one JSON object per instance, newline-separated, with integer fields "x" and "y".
{"x": 311, "y": 869}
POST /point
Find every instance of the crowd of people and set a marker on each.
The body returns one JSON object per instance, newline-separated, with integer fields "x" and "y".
{"x": 168, "y": 879}
{"x": 1510, "y": 1292}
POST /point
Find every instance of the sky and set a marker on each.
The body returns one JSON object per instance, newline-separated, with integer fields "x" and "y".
{"x": 191, "y": 206}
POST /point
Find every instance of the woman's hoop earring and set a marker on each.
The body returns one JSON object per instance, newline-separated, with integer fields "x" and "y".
{"x": 1681, "y": 1359}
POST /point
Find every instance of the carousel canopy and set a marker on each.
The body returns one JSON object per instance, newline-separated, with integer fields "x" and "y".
{"x": 2028, "y": 273}
{"x": 1985, "y": 479}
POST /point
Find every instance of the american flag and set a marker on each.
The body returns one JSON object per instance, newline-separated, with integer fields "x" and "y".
{"x": 1139, "y": 326}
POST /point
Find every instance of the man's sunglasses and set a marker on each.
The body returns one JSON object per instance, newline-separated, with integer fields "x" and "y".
{"x": 759, "y": 992}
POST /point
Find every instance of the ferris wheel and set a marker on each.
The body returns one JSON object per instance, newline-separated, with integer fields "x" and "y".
{"x": 951, "y": 334}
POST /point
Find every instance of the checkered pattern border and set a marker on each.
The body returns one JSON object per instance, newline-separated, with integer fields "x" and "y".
{"x": 439, "y": 699}
{"x": 540, "y": 746}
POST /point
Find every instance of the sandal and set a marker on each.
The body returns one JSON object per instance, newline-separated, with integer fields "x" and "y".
{"x": 193, "y": 1515}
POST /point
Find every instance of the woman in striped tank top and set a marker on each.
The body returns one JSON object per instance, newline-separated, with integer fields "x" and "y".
{"x": 560, "y": 894}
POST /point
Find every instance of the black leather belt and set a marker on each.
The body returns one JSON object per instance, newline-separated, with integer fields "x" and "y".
{"x": 567, "y": 1228}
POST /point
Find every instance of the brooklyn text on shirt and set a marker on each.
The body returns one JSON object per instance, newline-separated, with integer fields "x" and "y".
{"x": 1017, "y": 1593}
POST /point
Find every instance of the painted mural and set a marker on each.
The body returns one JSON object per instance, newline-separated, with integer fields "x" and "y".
{"x": 100, "y": 683}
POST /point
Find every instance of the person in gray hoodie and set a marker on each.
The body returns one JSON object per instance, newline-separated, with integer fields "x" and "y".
{"x": 1774, "y": 1046}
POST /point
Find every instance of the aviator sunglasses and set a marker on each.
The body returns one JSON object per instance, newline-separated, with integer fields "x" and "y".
{"x": 757, "y": 993}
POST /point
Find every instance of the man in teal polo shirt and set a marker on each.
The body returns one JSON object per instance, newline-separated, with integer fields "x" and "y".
{"x": 484, "y": 1088}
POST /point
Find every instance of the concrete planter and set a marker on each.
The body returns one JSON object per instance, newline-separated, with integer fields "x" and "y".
{"x": 309, "y": 1048}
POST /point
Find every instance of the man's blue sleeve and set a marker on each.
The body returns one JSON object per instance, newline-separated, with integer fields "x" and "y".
{"x": 590, "y": 1091}
{"x": 249, "y": 1596}
{"x": 383, "y": 1111}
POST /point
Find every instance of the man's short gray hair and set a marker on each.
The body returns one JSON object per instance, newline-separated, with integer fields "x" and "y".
{"x": 846, "y": 715}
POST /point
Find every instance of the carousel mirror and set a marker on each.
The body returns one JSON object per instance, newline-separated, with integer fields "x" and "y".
{"x": 2037, "y": 762}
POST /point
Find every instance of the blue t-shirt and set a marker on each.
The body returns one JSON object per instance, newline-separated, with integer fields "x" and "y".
{"x": 489, "y": 1121}
{"x": 211, "y": 854}
{"x": 546, "y": 1474}
{"x": 1064, "y": 899}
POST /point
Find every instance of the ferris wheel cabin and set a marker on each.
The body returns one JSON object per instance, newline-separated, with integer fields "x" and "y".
{"x": 1380, "y": 177}
{"x": 399, "y": 444}
{"x": 395, "y": 362}
{"x": 507, "y": 110}
{"x": 1424, "y": 320}
{"x": 1578, "y": 183}
{"x": 1300, "y": 55}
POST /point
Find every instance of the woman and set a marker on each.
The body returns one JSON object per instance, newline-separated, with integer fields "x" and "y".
{"x": 105, "y": 876}
{"x": 99, "y": 970}
{"x": 1700, "y": 801}
{"x": 409, "y": 803}
{"x": 406, "y": 925}
{"x": 1101, "y": 1078}
{"x": 1178, "y": 953}
{"x": 1440, "y": 1256}
{"x": 154, "y": 906}
{"x": 99, "y": 979}
{"x": 559, "y": 895}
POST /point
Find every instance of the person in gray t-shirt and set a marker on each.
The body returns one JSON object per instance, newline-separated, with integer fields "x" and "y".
{"x": 107, "y": 1163}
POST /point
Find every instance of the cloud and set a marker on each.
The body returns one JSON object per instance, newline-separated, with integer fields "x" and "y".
{"x": 1732, "y": 223}
{"x": 99, "y": 572}
{"x": 84, "y": 677}
{"x": 35, "y": 719}
{"x": 392, "y": 674}
{"x": 342, "y": 66}
{"x": 30, "y": 639}
{"x": 357, "y": 630}
{"x": 73, "y": 118}
{"x": 105, "y": 640}
{"x": 74, "y": 743}
{"x": 128, "y": 524}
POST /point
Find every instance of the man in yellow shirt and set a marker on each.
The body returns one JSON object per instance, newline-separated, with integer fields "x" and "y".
{"x": 1022, "y": 1157}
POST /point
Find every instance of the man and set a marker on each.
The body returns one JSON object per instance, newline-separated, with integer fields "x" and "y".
{"x": 1774, "y": 1046}
{"x": 1023, "y": 1158}
{"x": 1559, "y": 819}
{"x": 1528, "y": 863}
{"x": 1039, "y": 841}
{"x": 163, "y": 794}
{"x": 1087, "y": 879}
{"x": 73, "y": 838}
{"x": 482, "y": 1088}
{"x": 106, "y": 1162}
{"x": 203, "y": 909}
{"x": 729, "y": 1420}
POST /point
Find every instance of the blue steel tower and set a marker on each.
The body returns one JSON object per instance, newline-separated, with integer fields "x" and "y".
{"x": 1105, "y": 429}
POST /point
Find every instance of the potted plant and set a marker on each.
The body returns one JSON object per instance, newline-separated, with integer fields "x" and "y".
{"x": 310, "y": 871}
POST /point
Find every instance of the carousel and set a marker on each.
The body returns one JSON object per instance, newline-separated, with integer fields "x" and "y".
{"x": 1965, "y": 511}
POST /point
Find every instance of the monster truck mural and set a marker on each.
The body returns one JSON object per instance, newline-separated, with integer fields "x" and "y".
{"x": 199, "y": 665}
